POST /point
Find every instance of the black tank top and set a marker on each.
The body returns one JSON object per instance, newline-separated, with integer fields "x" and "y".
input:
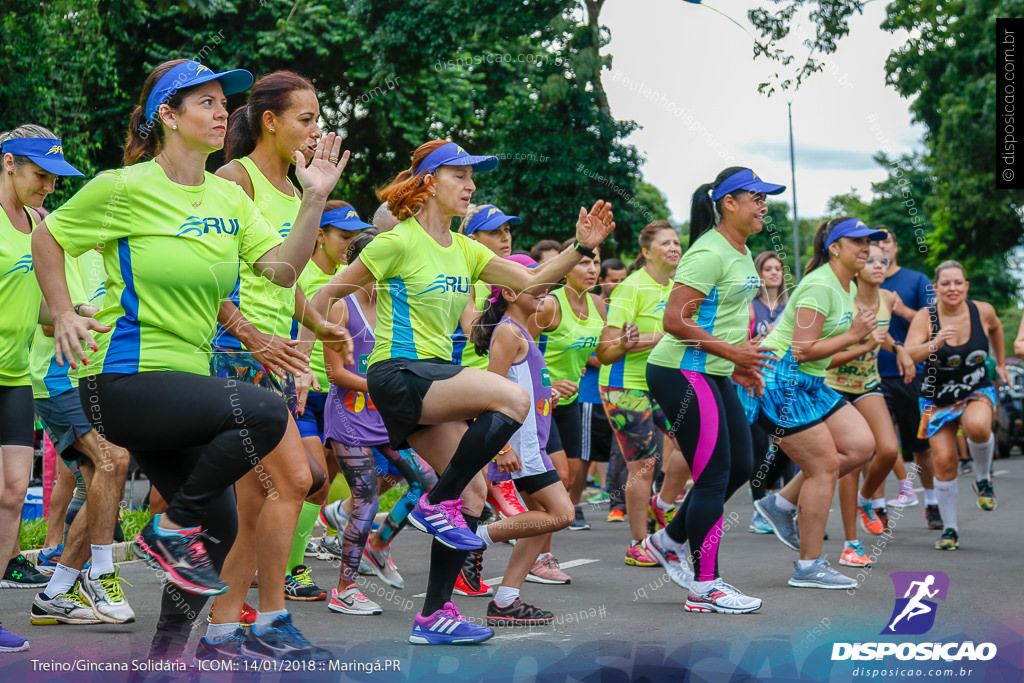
{"x": 953, "y": 373}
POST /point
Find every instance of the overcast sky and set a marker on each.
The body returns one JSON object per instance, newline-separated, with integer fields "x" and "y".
{"x": 688, "y": 77}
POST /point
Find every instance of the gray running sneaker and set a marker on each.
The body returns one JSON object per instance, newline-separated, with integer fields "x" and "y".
{"x": 676, "y": 566}
{"x": 106, "y": 598}
{"x": 63, "y": 609}
{"x": 382, "y": 565}
{"x": 820, "y": 575}
{"x": 782, "y": 522}
{"x": 330, "y": 548}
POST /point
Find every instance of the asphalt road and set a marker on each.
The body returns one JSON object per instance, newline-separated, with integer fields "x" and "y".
{"x": 622, "y": 623}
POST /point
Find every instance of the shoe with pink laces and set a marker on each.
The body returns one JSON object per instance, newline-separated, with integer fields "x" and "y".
{"x": 502, "y": 496}
{"x": 447, "y": 627}
{"x": 445, "y": 522}
{"x": 547, "y": 570}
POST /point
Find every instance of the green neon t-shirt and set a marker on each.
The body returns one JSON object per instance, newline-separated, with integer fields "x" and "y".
{"x": 422, "y": 288}
{"x": 169, "y": 264}
{"x": 567, "y": 347}
{"x": 820, "y": 291}
{"x": 641, "y": 300}
{"x": 470, "y": 358}
{"x": 729, "y": 282}
{"x": 20, "y": 296}
{"x": 311, "y": 280}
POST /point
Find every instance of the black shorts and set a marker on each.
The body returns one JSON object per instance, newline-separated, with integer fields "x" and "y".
{"x": 535, "y": 482}
{"x": 567, "y": 428}
{"x": 597, "y": 433}
{"x": 17, "y": 417}
{"x": 397, "y": 387}
{"x": 903, "y": 405}
{"x": 853, "y": 398}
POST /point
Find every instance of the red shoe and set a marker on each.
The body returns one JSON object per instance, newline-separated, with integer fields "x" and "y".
{"x": 247, "y": 618}
{"x": 503, "y": 498}
{"x": 469, "y": 581}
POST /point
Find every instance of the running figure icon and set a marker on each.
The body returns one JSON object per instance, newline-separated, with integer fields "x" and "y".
{"x": 915, "y": 607}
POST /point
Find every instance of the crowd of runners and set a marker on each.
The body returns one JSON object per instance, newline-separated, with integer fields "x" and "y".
{"x": 243, "y": 341}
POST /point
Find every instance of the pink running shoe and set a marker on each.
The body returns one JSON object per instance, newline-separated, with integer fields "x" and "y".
{"x": 503, "y": 497}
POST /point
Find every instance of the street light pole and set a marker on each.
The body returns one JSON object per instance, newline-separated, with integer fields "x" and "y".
{"x": 796, "y": 220}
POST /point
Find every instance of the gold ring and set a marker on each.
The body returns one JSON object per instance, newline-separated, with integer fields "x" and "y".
{"x": 333, "y": 160}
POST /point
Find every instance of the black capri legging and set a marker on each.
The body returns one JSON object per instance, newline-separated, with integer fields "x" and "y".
{"x": 708, "y": 422}
{"x": 17, "y": 420}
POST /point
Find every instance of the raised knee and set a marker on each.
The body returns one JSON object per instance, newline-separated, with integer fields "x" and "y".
{"x": 517, "y": 404}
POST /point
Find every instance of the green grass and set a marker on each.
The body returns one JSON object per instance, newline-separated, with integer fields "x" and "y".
{"x": 390, "y": 497}
{"x": 33, "y": 532}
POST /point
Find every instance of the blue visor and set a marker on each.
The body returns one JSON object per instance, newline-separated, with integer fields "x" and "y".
{"x": 188, "y": 74}
{"x": 47, "y": 153}
{"x": 745, "y": 180}
{"x": 489, "y": 218}
{"x": 345, "y": 218}
{"x": 853, "y": 227}
{"x": 453, "y": 155}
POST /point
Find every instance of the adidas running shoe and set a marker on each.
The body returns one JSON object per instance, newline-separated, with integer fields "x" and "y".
{"x": 12, "y": 642}
{"x": 547, "y": 570}
{"x": 447, "y": 627}
{"x": 445, "y": 522}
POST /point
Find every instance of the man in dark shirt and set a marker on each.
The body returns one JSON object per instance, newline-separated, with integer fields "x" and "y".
{"x": 913, "y": 291}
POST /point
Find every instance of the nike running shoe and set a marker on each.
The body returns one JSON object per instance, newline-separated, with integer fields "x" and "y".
{"x": 950, "y": 540}
{"x": 299, "y": 585}
{"x": 579, "y": 522}
{"x": 282, "y": 641}
{"x": 722, "y": 598}
{"x": 184, "y": 558}
{"x": 227, "y": 650}
{"x": 547, "y": 570}
{"x": 661, "y": 518}
{"x": 68, "y": 608}
{"x": 820, "y": 575}
{"x": 447, "y": 627}
{"x": 933, "y": 517}
{"x": 636, "y": 557}
{"x": 445, "y": 522}
{"x": 351, "y": 601}
{"x": 782, "y": 522}
{"x": 518, "y": 613}
{"x": 504, "y": 498}
{"x": 854, "y": 555}
{"x": 869, "y": 520}
{"x": 12, "y": 642}
{"x": 616, "y": 516}
{"x": 468, "y": 581}
{"x": 21, "y": 573}
{"x": 759, "y": 525}
{"x": 246, "y": 618}
{"x": 986, "y": 495}
{"x": 47, "y": 560}
{"x": 907, "y": 498}
{"x": 382, "y": 565}
{"x": 106, "y": 598}
{"x": 659, "y": 547}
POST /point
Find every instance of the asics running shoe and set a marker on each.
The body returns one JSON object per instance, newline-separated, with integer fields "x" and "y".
{"x": 299, "y": 585}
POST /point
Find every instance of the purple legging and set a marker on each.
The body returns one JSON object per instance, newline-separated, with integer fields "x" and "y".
{"x": 360, "y": 471}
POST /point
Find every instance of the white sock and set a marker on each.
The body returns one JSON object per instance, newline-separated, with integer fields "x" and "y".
{"x": 805, "y": 564}
{"x": 930, "y": 498}
{"x": 543, "y": 556}
{"x": 849, "y": 544}
{"x": 904, "y": 481}
{"x": 668, "y": 542}
{"x": 982, "y": 454}
{"x": 481, "y": 532}
{"x": 783, "y": 503}
{"x": 265, "y": 619}
{"x": 662, "y": 505}
{"x": 505, "y": 596}
{"x": 878, "y": 503}
{"x": 48, "y": 549}
{"x": 61, "y": 581}
{"x": 216, "y": 633}
{"x": 861, "y": 500}
{"x": 946, "y": 493}
{"x": 102, "y": 560}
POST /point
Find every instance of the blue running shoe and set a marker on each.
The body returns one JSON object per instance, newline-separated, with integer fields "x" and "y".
{"x": 759, "y": 525}
{"x": 12, "y": 642}
{"x": 444, "y": 522}
{"x": 47, "y": 560}
{"x": 282, "y": 641}
{"x": 447, "y": 627}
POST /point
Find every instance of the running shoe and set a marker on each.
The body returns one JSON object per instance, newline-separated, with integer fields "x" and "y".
{"x": 661, "y": 518}
{"x": 12, "y": 642}
{"x": 599, "y": 498}
{"x": 21, "y": 573}
{"x": 986, "y": 494}
{"x": 299, "y": 585}
{"x": 721, "y": 598}
{"x": 933, "y": 517}
{"x": 950, "y": 540}
{"x": 246, "y": 618}
{"x": 330, "y": 548}
{"x": 636, "y": 557}
{"x": 759, "y": 525}
{"x": 854, "y": 555}
{"x": 445, "y": 522}
{"x": 907, "y": 498}
{"x": 503, "y": 497}
{"x": 519, "y": 613}
{"x": 183, "y": 557}
{"x": 782, "y": 522}
{"x": 869, "y": 520}
{"x": 334, "y": 517}
{"x": 548, "y": 571}
{"x": 447, "y": 627}
{"x": 282, "y": 641}
{"x": 659, "y": 548}
{"x": 106, "y": 598}
{"x": 365, "y": 568}
{"x": 227, "y": 650}
{"x": 468, "y": 581}
{"x": 351, "y": 601}
{"x": 312, "y": 548}
{"x": 616, "y": 516}
{"x": 68, "y": 608}
{"x": 883, "y": 517}
{"x": 47, "y": 561}
{"x": 966, "y": 467}
{"x": 579, "y": 522}
{"x": 820, "y": 575}
{"x": 382, "y": 565}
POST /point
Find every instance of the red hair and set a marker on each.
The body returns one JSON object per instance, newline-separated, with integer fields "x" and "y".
{"x": 407, "y": 192}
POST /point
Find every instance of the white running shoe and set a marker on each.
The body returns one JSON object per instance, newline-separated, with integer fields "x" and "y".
{"x": 722, "y": 598}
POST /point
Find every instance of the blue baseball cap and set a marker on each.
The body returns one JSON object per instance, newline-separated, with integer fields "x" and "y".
{"x": 853, "y": 227}
{"x": 188, "y": 74}
{"x": 451, "y": 154}
{"x": 345, "y": 218}
{"x": 745, "y": 180}
{"x": 488, "y": 218}
{"x": 47, "y": 153}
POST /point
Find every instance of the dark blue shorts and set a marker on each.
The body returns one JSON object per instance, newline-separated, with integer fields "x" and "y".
{"x": 311, "y": 422}
{"x": 65, "y": 421}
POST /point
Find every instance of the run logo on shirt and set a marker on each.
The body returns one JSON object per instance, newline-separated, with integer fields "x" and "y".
{"x": 447, "y": 283}
{"x": 202, "y": 226}
{"x": 22, "y": 265}
{"x": 585, "y": 343}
